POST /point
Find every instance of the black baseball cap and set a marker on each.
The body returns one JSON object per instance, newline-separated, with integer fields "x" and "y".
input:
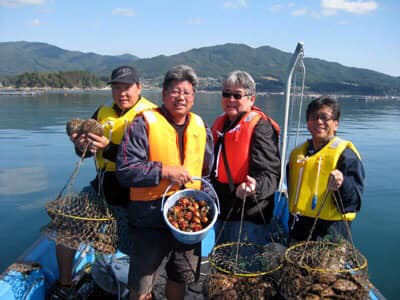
{"x": 124, "y": 74}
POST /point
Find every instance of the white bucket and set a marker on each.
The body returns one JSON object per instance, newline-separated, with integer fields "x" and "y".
{"x": 191, "y": 237}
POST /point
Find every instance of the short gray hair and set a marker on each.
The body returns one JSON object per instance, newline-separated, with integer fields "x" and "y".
{"x": 241, "y": 79}
{"x": 180, "y": 73}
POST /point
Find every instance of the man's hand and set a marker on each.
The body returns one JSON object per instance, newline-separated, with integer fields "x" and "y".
{"x": 80, "y": 141}
{"x": 97, "y": 142}
{"x": 335, "y": 180}
{"x": 246, "y": 188}
{"x": 177, "y": 174}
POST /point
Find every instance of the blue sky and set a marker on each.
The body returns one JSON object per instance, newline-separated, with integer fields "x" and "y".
{"x": 359, "y": 33}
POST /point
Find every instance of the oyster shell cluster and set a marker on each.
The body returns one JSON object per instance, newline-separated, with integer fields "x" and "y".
{"x": 298, "y": 284}
{"x": 24, "y": 267}
{"x": 219, "y": 286}
{"x": 81, "y": 126}
{"x": 323, "y": 270}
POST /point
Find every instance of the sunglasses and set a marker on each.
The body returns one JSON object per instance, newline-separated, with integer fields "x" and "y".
{"x": 234, "y": 95}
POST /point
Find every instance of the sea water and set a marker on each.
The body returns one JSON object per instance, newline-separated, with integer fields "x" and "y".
{"x": 37, "y": 158}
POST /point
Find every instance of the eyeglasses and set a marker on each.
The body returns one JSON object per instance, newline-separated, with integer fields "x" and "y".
{"x": 177, "y": 93}
{"x": 237, "y": 96}
{"x": 322, "y": 117}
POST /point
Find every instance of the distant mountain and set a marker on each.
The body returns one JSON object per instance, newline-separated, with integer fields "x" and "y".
{"x": 20, "y": 57}
{"x": 267, "y": 65}
{"x": 216, "y": 61}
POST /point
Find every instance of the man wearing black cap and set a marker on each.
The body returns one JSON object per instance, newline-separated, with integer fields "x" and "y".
{"x": 114, "y": 118}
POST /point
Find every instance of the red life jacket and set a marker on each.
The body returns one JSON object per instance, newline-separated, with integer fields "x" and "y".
{"x": 237, "y": 144}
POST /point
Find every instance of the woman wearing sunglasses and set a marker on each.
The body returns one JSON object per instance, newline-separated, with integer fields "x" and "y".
{"x": 247, "y": 166}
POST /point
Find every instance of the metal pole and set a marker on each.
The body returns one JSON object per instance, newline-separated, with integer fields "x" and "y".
{"x": 299, "y": 52}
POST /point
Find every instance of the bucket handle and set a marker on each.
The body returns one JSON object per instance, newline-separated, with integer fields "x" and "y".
{"x": 193, "y": 178}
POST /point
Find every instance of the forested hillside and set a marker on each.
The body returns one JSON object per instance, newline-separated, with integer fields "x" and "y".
{"x": 267, "y": 65}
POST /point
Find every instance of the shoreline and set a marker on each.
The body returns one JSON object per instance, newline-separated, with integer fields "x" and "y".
{"x": 26, "y": 91}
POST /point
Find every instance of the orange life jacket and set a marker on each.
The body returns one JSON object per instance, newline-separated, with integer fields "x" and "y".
{"x": 163, "y": 147}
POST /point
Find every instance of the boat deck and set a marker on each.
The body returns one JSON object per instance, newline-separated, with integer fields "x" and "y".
{"x": 193, "y": 291}
{"x": 37, "y": 271}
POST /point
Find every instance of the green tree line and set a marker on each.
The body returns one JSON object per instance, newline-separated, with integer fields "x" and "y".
{"x": 70, "y": 79}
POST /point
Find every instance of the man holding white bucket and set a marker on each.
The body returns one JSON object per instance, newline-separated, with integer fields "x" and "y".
{"x": 163, "y": 146}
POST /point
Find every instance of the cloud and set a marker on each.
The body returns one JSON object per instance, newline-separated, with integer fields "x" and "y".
{"x": 315, "y": 15}
{"x": 234, "y": 4}
{"x": 36, "y": 22}
{"x": 19, "y": 3}
{"x": 330, "y": 7}
{"x": 281, "y": 7}
{"x": 276, "y": 8}
{"x": 194, "y": 21}
{"x": 126, "y": 12}
{"x": 299, "y": 12}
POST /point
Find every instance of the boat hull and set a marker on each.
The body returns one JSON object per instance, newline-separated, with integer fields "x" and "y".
{"x": 37, "y": 270}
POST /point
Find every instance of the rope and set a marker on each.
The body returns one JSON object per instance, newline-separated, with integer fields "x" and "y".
{"x": 339, "y": 202}
{"x": 100, "y": 179}
{"x": 71, "y": 179}
{"x": 75, "y": 219}
{"x": 243, "y": 259}
{"x": 324, "y": 197}
{"x": 240, "y": 227}
{"x": 241, "y": 218}
{"x": 339, "y": 205}
{"x": 223, "y": 224}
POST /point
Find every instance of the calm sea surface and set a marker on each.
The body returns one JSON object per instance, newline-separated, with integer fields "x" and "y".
{"x": 37, "y": 158}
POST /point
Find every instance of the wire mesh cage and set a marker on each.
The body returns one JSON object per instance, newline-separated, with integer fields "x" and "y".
{"x": 243, "y": 270}
{"x": 82, "y": 218}
{"x": 323, "y": 269}
{"x": 247, "y": 259}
